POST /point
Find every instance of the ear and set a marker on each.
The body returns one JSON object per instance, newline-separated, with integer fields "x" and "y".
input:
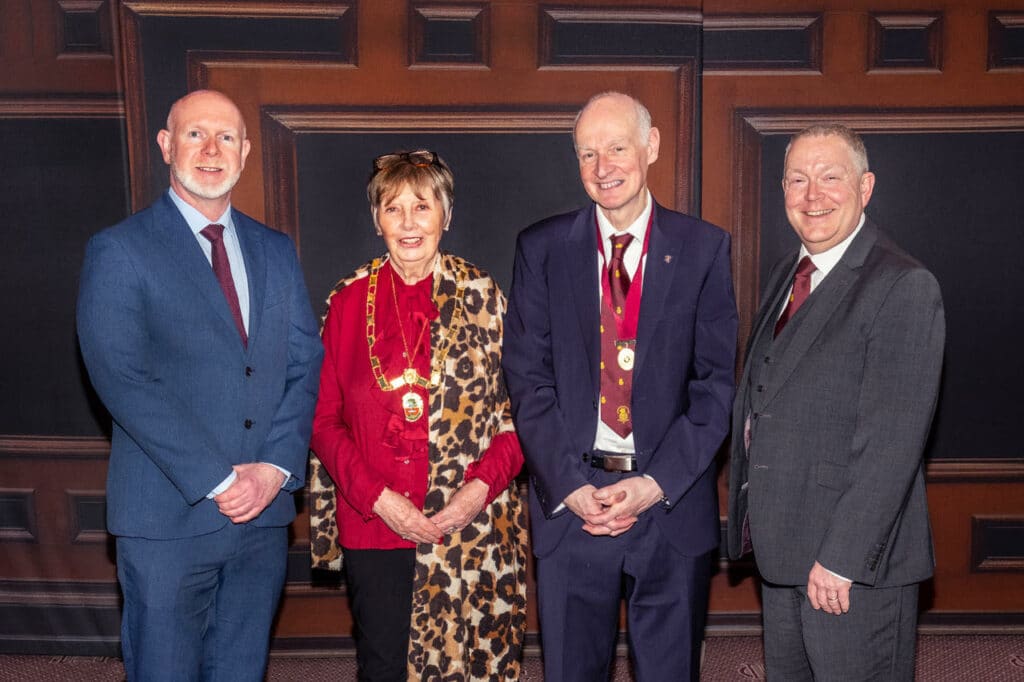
{"x": 376, "y": 225}
{"x": 448, "y": 220}
{"x": 163, "y": 140}
{"x": 867, "y": 186}
{"x": 246, "y": 145}
{"x": 653, "y": 144}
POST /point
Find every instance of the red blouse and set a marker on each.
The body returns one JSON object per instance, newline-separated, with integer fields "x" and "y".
{"x": 360, "y": 432}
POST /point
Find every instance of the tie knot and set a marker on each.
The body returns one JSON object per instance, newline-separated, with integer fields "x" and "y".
{"x": 619, "y": 244}
{"x": 213, "y": 232}
{"x": 805, "y": 268}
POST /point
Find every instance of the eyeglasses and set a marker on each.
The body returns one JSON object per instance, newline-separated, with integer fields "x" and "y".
{"x": 422, "y": 158}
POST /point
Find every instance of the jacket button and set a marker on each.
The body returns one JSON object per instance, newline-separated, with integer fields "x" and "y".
{"x": 760, "y": 388}
{"x": 767, "y": 360}
{"x": 586, "y": 457}
{"x": 248, "y": 371}
{"x": 248, "y": 423}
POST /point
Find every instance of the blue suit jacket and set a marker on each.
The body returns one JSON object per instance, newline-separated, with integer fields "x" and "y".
{"x": 187, "y": 399}
{"x": 683, "y": 374}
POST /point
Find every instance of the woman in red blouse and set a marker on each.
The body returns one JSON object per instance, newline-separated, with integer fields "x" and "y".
{"x": 414, "y": 430}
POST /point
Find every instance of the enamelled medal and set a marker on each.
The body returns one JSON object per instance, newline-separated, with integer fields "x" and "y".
{"x": 412, "y": 402}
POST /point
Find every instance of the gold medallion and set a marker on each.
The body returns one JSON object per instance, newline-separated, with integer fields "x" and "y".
{"x": 412, "y": 405}
{"x": 625, "y": 358}
{"x": 410, "y": 375}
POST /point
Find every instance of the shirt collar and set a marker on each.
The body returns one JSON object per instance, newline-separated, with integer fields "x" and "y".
{"x": 637, "y": 228}
{"x": 196, "y": 220}
{"x": 826, "y": 260}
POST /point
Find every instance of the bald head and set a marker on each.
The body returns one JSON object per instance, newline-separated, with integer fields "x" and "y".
{"x": 203, "y": 100}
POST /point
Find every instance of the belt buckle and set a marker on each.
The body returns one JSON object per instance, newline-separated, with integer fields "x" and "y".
{"x": 619, "y": 463}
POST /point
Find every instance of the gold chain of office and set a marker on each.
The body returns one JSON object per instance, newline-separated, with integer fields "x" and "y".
{"x": 409, "y": 376}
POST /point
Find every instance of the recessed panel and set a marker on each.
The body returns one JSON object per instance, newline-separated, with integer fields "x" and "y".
{"x": 503, "y": 182}
{"x": 960, "y": 217}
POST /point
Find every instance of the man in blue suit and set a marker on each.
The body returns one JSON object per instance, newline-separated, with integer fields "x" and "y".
{"x": 619, "y": 354}
{"x": 210, "y": 375}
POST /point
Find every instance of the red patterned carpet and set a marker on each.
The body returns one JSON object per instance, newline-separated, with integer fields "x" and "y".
{"x": 941, "y": 658}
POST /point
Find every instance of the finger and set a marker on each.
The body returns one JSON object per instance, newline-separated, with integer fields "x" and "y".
{"x": 596, "y": 529}
{"x": 844, "y": 601}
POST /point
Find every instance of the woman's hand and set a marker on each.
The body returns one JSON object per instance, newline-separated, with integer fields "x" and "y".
{"x": 462, "y": 508}
{"x": 404, "y": 518}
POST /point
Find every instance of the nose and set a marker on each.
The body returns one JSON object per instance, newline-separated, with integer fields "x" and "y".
{"x": 601, "y": 166}
{"x": 813, "y": 190}
{"x": 211, "y": 147}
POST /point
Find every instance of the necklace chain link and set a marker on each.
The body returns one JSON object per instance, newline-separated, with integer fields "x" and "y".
{"x": 409, "y": 376}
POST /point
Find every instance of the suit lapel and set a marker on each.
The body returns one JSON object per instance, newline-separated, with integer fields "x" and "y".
{"x": 580, "y": 260}
{"x": 659, "y": 272}
{"x": 182, "y": 248}
{"x": 255, "y": 270}
{"x": 814, "y": 314}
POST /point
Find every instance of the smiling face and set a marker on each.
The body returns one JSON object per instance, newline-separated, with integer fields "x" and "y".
{"x": 825, "y": 190}
{"x": 411, "y": 223}
{"x": 205, "y": 146}
{"x": 614, "y": 153}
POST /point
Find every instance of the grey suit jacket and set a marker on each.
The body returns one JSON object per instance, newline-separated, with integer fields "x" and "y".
{"x": 840, "y": 406}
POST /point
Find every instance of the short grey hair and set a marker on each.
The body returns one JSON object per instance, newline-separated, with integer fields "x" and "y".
{"x": 851, "y": 138}
{"x": 643, "y": 116}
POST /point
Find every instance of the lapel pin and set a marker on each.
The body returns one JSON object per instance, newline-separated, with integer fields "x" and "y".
{"x": 668, "y": 259}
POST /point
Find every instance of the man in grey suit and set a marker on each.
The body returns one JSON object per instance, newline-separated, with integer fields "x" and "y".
{"x": 834, "y": 406}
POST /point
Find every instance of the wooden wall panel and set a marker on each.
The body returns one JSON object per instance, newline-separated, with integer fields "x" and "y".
{"x": 91, "y": 80}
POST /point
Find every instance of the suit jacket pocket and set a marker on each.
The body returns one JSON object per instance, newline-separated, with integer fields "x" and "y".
{"x": 831, "y": 475}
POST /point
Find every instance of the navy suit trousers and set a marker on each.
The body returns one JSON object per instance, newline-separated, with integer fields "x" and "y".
{"x": 200, "y": 608}
{"x": 580, "y": 588}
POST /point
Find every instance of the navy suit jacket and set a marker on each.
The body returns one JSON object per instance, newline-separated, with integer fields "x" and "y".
{"x": 188, "y": 400}
{"x": 683, "y": 373}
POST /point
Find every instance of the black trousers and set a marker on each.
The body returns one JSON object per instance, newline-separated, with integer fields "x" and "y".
{"x": 379, "y": 585}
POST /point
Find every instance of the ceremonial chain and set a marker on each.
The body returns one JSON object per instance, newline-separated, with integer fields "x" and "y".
{"x": 409, "y": 376}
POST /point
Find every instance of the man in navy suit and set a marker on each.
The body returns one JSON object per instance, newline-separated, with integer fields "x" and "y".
{"x": 619, "y": 354}
{"x": 210, "y": 375}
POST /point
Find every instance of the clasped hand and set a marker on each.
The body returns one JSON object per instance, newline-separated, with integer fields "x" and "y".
{"x": 256, "y": 486}
{"x": 410, "y": 523}
{"x": 613, "y": 509}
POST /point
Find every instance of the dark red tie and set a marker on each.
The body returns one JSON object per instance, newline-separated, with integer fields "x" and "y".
{"x": 801, "y": 290}
{"x": 222, "y": 269}
{"x": 618, "y": 278}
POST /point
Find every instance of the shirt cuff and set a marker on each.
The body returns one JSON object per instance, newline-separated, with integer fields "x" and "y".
{"x": 224, "y": 485}
{"x": 838, "y": 576}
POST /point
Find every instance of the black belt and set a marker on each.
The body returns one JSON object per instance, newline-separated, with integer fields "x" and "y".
{"x": 611, "y": 461}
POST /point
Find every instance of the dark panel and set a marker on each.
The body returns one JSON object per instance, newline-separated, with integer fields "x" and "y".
{"x": 1006, "y": 40}
{"x": 84, "y": 27}
{"x": 38, "y": 626}
{"x": 165, "y": 44}
{"x": 901, "y": 41}
{"x": 73, "y": 185}
{"x": 494, "y": 198}
{"x": 997, "y": 544}
{"x": 88, "y": 521}
{"x": 957, "y": 214}
{"x": 762, "y": 43}
{"x": 449, "y": 34}
{"x": 588, "y": 37}
{"x": 17, "y": 515}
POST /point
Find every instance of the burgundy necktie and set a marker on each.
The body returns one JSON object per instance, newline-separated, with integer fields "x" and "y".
{"x": 618, "y": 278}
{"x": 222, "y": 270}
{"x": 801, "y": 290}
